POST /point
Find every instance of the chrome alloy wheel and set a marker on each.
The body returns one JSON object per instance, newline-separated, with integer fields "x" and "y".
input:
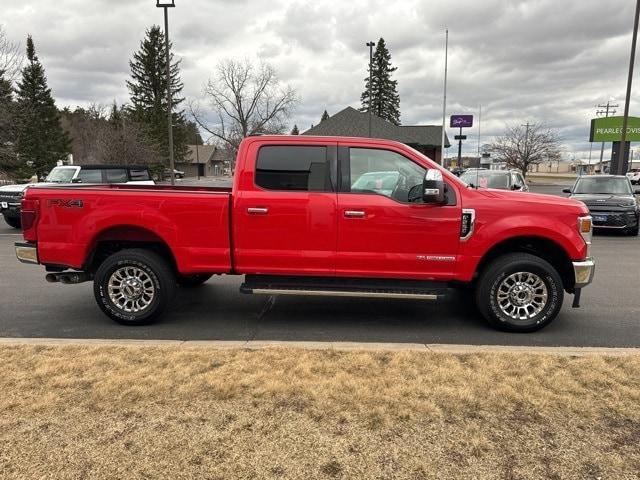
{"x": 131, "y": 289}
{"x": 522, "y": 295}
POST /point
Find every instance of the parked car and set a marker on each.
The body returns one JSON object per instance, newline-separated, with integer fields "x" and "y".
{"x": 176, "y": 173}
{"x": 297, "y": 222}
{"x": 11, "y": 195}
{"x": 500, "y": 179}
{"x": 611, "y": 200}
{"x": 634, "y": 176}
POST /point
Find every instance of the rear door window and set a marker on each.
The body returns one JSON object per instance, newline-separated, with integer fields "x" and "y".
{"x": 116, "y": 175}
{"x": 90, "y": 175}
{"x": 294, "y": 168}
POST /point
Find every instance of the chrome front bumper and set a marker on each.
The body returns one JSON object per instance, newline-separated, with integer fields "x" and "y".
{"x": 27, "y": 252}
{"x": 584, "y": 271}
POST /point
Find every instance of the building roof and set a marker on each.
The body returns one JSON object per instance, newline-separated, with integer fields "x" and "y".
{"x": 205, "y": 153}
{"x": 352, "y": 123}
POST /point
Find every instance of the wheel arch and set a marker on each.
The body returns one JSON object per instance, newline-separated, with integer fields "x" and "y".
{"x": 120, "y": 237}
{"x": 541, "y": 247}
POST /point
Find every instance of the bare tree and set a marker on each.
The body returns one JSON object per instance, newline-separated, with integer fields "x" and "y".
{"x": 246, "y": 100}
{"x": 10, "y": 57}
{"x": 525, "y": 145}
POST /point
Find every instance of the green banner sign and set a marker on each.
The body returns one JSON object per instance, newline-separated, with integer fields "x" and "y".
{"x": 609, "y": 129}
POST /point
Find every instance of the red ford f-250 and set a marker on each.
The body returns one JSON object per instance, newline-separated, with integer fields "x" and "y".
{"x": 316, "y": 216}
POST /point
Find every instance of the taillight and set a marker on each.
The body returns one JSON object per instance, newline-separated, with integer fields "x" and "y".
{"x": 29, "y": 219}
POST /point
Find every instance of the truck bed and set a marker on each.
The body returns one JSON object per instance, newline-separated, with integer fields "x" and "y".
{"x": 192, "y": 221}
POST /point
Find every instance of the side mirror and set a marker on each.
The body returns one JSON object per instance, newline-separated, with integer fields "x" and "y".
{"x": 433, "y": 187}
{"x": 566, "y": 190}
{"x": 636, "y": 192}
{"x": 515, "y": 186}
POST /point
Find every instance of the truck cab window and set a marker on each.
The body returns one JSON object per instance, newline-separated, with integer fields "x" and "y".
{"x": 116, "y": 175}
{"x": 293, "y": 168}
{"x": 383, "y": 172}
{"x": 88, "y": 175}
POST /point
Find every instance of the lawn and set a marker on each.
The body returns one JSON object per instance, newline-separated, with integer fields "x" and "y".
{"x": 169, "y": 412}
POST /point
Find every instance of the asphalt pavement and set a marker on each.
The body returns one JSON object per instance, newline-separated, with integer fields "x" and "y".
{"x": 609, "y": 317}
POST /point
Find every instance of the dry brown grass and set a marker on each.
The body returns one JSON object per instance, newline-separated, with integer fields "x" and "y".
{"x": 151, "y": 412}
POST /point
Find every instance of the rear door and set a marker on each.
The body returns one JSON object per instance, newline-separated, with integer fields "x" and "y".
{"x": 380, "y": 232}
{"x": 284, "y": 215}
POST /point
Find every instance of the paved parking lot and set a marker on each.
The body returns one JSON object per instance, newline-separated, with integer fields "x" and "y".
{"x": 610, "y": 313}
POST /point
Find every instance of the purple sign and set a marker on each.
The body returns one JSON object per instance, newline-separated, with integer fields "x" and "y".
{"x": 461, "y": 121}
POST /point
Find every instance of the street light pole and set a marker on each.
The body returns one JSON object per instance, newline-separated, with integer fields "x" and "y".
{"x": 623, "y": 143}
{"x": 444, "y": 99}
{"x": 166, "y": 5}
{"x": 370, "y": 45}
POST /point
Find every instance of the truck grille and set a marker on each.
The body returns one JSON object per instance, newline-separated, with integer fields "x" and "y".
{"x": 613, "y": 219}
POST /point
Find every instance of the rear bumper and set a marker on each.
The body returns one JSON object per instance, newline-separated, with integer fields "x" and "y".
{"x": 584, "y": 271}
{"x": 27, "y": 252}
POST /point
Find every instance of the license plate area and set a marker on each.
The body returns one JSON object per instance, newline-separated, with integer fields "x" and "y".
{"x": 600, "y": 218}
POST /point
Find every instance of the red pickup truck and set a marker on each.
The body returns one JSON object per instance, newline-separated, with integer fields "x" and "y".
{"x": 332, "y": 216}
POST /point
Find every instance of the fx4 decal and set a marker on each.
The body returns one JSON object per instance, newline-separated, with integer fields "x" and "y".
{"x": 59, "y": 202}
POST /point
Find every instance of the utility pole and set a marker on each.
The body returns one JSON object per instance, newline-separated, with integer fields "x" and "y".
{"x": 197, "y": 157}
{"x": 166, "y": 5}
{"x": 444, "y": 100}
{"x": 370, "y": 45}
{"x": 605, "y": 110}
{"x": 623, "y": 143}
{"x": 526, "y": 144}
{"x": 479, "y": 131}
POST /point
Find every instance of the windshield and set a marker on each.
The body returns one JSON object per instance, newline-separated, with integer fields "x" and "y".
{"x": 610, "y": 185}
{"x": 61, "y": 175}
{"x": 486, "y": 179}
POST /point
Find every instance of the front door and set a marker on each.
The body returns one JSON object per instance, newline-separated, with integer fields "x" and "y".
{"x": 380, "y": 232}
{"x": 284, "y": 214}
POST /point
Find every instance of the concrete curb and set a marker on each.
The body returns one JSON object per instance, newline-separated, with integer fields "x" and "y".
{"x": 340, "y": 346}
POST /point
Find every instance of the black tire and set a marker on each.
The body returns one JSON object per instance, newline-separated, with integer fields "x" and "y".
{"x": 192, "y": 281}
{"x": 155, "y": 270}
{"x": 495, "y": 281}
{"x": 13, "y": 221}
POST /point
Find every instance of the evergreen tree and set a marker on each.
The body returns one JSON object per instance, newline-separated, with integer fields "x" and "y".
{"x": 325, "y": 116}
{"x": 295, "y": 130}
{"x": 148, "y": 91}
{"x": 385, "y": 101}
{"x": 40, "y": 141}
{"x": 7, "y": 125}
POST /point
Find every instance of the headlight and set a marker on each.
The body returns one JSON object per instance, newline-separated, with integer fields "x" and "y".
{"x": 585, "y": 227}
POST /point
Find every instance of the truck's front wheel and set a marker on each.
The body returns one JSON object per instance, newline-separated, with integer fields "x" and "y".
{"x": 134, "y": 286}
{"x": 519, "y": 292}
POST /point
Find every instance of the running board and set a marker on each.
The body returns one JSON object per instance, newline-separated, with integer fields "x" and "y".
{"x": 344, "y": 287}
{"x": 341, "y": 293}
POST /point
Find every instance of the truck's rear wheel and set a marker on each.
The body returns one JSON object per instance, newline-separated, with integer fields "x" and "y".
{"x": 134, "y": 286}
{"x": 519, "y": 292}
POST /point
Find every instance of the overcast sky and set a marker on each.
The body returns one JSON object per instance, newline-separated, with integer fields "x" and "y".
{"x": 522, "y": 60}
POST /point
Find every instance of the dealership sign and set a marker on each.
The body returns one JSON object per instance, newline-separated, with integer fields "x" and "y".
{"x": 461, "y": 121}
{"x": 609, "y": 129}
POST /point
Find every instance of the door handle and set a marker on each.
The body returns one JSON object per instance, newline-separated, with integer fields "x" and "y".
{"x": 257, "y": 210}
{"x": 354, "y": 213}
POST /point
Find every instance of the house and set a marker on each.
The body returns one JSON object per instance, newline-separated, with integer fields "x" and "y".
{"x": 352, "y": 123}
{"x": 205, "y": 161}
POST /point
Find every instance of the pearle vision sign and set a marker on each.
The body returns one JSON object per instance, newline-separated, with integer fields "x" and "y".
{"x": 609, "y": 129}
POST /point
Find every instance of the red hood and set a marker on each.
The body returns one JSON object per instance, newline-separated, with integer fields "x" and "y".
{"x": 533, "y": 199}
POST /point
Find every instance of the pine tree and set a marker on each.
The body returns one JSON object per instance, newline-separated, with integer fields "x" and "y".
{"x": 7, "y": 125}
{"x": 324, "y": 117}
{"x": 295, "y": 130}
{"x": 40, "y": 141}
{"x": 148, "y": 91}
{"x": 385, "y": 101}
